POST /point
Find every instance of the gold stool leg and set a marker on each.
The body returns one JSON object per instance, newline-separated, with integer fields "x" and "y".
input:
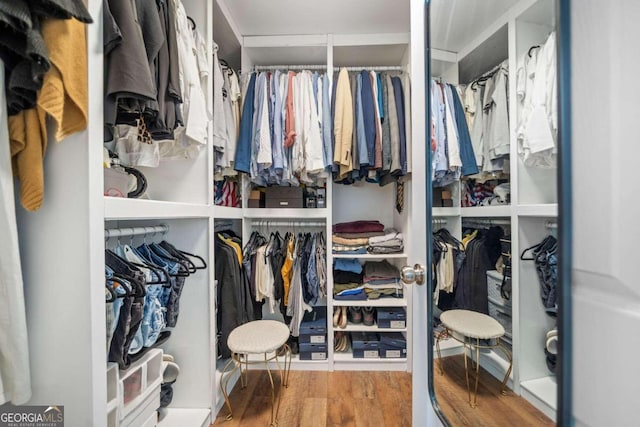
{"x": 274, "y": 415}
{"x": 440, "y": 362}
{"x": 246, "y": 371}
{"x": 475, "y": 392}
{"x": 276, "y": 356}
{"x": 287, "y": 364}
{"x": 224, "y": 382}
{"x": 506, "y": 376}
{"x": 466, "y": 371}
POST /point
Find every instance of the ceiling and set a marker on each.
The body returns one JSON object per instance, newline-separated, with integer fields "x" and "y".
{"x": 292, "y": 17}
{"x": 456, "y": 23}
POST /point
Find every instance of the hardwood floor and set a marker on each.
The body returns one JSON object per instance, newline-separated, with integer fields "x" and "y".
{"x": 319, "y": 399}
{"x": 374, "y": 399}
{"x": 494, "y": 410}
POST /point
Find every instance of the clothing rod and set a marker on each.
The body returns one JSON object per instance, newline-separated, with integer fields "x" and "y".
{"x": 374, "y": 68}
{"x": 289, "y": 67}
{"x": 135, "y": 231}
{"x": 466, "y": 221}
{"x": 263, "y": 223}
{"x": 324, "y": 67}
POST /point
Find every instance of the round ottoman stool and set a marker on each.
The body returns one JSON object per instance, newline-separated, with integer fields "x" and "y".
{"x": 266, "y": 337}
{"x": 469, "y": 327}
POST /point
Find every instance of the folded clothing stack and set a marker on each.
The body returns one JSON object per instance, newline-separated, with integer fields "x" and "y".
{"x": 352, "y": 281}
{"x": 391, "y": 242}
{"x": 348, "y": 280}
{"x": 382, "y": 279}
{"x": 361, "y": 237}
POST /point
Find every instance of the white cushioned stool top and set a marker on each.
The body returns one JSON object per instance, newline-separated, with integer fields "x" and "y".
{"x": 472, "y": 324}
{"x": 260, "y": 336}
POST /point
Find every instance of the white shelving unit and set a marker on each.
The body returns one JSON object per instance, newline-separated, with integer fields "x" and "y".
{"x": 331, "y": 51}
{"x": 543, "y": 393}
{"x": 382, "y": 302}
{"x": 371, "y": 256}
{"x": 185, "y": 417}
{"x": 360, "y": 327}
{"x": 65, "y": 317}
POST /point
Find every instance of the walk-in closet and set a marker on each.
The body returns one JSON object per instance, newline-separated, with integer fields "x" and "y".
{"x": 250, "y": 161}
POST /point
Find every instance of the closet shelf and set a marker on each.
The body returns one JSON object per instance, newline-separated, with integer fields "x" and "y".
{"x": 541, "y": 210}
{"x": 177, "y": 417}
{"x": 486, "y": 211}
{"x": 351, "y": 327}
{"x": 543, "y": 390}
{"x": 444, "y": 212}
{"x": 348, "y": 357}
{"x": 383, "y": 302}
{"x": 121, "y": 208}
{"x": 285, "y": 213}
{"x": 370, "y": 256}
{"x": 226, "y": 212}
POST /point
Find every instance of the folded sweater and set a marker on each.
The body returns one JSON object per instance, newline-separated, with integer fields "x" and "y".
{"x": 358, "y": 227}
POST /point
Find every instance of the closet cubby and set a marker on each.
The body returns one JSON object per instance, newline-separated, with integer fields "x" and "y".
{"x": 191, "y": 342}
{"x": 536, "y": 186}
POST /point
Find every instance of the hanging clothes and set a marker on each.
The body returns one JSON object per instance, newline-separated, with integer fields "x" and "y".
{"x": 287, "y": 273}
{"x": 452, "y": 148}
{"x": 284, "y": 135}
{"x": 481, "y": 255}
{"x": 155, "y": 78}
{"x": 145, "y": 285}
{"x": 234, "y": 305}
{"x": 545, "y": 257}
{"x": 14, "y": 343}
{"x": 62, "y": 96}
{"x": 537, "y": 95}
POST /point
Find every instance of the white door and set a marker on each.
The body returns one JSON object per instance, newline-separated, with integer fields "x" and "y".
{"x": 423, "y": 412}
{"x": 606, "y": 212}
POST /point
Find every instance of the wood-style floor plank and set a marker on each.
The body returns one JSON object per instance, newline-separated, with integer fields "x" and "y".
{"x": 373, "y": 399}
{"x": 494, "y": 409}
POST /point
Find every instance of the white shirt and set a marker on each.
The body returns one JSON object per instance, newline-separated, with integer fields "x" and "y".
{"x": 194, "y": 104}
{"x": 314, "y": 160}
{"x": 220, "y": 136}
{"x": 453, "y": 144}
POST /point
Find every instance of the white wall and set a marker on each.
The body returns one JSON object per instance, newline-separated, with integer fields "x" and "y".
{"x": 606, "y": 292}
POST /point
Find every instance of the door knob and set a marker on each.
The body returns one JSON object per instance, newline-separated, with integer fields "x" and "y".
{"x": 413, "y": 274}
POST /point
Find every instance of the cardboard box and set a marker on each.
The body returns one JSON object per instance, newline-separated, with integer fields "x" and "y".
{"x": 447, "y": 203}
{"x": 390, "y": 352}
{"x": 313, "y": 328}
{"x": 393, "y": 339}
{"x": 284, "y": 197}
{"x": 366, "y": 354}
{"x": 364, "y": 341}
{"x": 391, "y": 317}
{"x": 311, "y": 351}
{"x": 446, "y": 195}
{"x": 256, "y": 199}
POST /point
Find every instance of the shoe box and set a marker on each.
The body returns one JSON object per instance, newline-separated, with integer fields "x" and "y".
{"x": 313, "y": 328}
{"x": 284, "y": 197}
{"x": 313, "y": 351}
{"x": 391, "y": 317}
{"x": 393, "y": 345}
{"x": 365, "y": 345}
{"x": 442, "y": 197}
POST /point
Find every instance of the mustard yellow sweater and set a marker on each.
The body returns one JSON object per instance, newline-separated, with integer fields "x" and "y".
{"x": 63, "y": 97}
